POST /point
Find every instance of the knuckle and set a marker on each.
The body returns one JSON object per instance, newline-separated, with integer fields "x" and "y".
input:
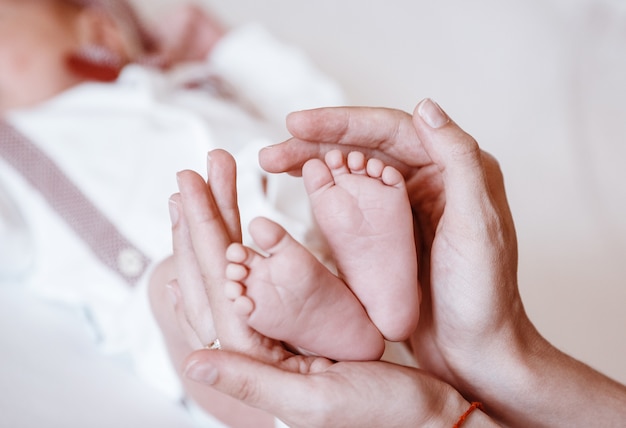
{"x": 247, "y": 391}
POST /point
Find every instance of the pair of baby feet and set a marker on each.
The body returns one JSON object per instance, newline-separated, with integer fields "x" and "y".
{"x": 362, "y": 208}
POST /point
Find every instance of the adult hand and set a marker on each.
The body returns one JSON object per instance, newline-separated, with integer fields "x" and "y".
{"x": 473, "y": 331}
{"x": 181, "y": 340}
{"x": 467, "y": 249}
{"x": 345, "y": 394}
{"x": 205, "y": 220}
{"x": 303, "y": 391}
{"x": 208, "y": 223}
{"x": 477, "y": 325}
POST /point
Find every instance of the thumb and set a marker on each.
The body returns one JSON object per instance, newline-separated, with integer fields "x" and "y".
{"x": 455, "y": 153}
{"x": 279, "y": 392}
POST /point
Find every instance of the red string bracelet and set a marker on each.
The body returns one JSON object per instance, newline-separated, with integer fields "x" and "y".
{"x": 475, "y": 405}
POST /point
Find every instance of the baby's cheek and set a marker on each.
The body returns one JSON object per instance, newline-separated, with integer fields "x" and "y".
{"x": 27, "y": 80}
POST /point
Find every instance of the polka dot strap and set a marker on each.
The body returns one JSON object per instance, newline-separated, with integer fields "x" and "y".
{"x": 89, "y": 223}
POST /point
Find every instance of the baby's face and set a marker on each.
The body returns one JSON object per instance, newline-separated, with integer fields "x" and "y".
{"x": 35, "y": 38}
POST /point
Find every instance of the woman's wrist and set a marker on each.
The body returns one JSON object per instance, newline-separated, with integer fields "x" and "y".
{"x": 455, "y": 411}
{"x": 562, "y": 391}
{"x": 475, "y": 417}
{"x": 501, "y": 366}
{"x": 526, "y": 381}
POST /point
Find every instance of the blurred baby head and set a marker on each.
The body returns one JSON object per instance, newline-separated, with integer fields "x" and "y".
{"x": 45, "y": 45}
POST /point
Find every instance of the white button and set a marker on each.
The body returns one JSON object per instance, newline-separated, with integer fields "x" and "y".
{"x": 130, "y": 262}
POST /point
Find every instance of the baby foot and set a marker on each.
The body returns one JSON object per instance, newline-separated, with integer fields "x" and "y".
{"x": 290, "y": 296}
{"x": 363, "y": 209}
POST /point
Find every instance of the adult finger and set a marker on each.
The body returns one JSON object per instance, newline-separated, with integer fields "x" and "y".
{"x": 189, "y": 290}
{"x": 284, "y": 394}
{"x": 179, "y": 337}
{"x": 222, "y": 174}
{"x": 458, "y": 157}
{"x": 323, "y": 394}
{"x": 384, "y": 133}
{"x": 165, "y": 305}
{"x": 476, "y": 222}
{"x": 210, "y": 237}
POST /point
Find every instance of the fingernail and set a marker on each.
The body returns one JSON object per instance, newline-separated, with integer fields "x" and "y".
{"x": 432, "y": 114}
{"x": 173, "y": 206}
{"x": 201, "y": 372}
{"x": 172, "y": 292}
